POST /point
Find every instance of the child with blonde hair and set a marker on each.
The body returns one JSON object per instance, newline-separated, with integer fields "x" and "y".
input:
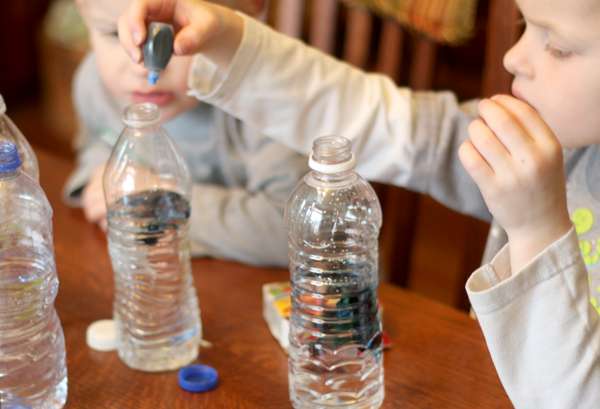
{"x": 241, "y": 179}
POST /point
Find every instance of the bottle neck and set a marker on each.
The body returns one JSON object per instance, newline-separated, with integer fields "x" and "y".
{"x": 331, "y": 180}
{"x": 9, "y": 175}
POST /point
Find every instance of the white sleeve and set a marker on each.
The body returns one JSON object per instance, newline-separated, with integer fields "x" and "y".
{"x": 294, "y": 93}
{"x": 540, "y": 327}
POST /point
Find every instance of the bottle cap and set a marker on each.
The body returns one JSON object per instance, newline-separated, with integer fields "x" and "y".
{"x": 102, "y": 335}
{"x": 9, "y": 157}
{"x": 198, "y": 378}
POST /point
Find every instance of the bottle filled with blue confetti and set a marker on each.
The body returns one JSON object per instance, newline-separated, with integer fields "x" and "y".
{"x": 333, "y": 219}
{"x": 158, "y": 49}
{"x": 147, "y": 187}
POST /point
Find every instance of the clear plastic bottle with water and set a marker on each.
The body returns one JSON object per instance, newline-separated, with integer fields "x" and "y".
{"x": 32, "y": 346}
{"x": 333, "y": 219}
{"x": 147, "y": 190}
{"x": 10, "y": 132}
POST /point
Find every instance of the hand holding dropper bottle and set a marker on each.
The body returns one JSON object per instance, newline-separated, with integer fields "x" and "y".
{"x": 157, "y": 49}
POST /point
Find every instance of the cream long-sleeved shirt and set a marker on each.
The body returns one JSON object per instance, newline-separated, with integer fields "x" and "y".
{"x": 540, "y": 327}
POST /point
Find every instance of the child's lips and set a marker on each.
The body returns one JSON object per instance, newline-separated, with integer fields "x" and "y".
{"x": 158, "y": 97}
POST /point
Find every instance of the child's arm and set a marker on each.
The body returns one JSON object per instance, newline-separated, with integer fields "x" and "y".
{"x": 540, "y": 327}
{"x": 92, "y": 149}
{"x": 294, "y": 93}
{"x": 532, "y": 301}
{"x": 246, "y": 223}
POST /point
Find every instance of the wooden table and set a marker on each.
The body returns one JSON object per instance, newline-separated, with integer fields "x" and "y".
{"x": 438, "y": 358}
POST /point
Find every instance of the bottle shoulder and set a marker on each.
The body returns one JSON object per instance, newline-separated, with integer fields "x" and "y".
{"x": 20, "y": 190}
{"x": 355, "y": 200}
{"x": 144, "y": 160}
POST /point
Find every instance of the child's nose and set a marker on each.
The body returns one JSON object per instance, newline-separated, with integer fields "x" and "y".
{"x": 517, "y": 60}
{"x": 140, "y": 71}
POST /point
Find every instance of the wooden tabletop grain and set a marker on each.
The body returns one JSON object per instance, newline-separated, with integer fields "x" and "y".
{"x": 438, "y": 358}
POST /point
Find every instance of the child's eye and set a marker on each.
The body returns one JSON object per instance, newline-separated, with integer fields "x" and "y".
{"x": 109, "y": 33}
{"x": 557, "y": 52}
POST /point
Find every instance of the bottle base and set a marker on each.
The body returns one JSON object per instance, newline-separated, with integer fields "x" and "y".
{"x": 167, "y": 359}
{"x": 374, "y": 402}
{"x": 59, "y": 399}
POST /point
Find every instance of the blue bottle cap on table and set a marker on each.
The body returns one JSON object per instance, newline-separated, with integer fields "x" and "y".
{"x": 198, "y": 378}
{"x": 9, "y": 157}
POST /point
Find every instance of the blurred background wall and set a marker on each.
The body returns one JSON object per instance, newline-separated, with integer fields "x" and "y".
{"x": 41, "y": 43}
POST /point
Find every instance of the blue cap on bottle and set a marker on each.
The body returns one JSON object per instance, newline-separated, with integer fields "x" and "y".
{"x": 9, "y": 157}
{"x": 198, "y": 378}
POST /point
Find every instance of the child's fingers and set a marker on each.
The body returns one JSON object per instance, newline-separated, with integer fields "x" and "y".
{"x": 489, "y": 147}
{"x": 506, "y": 127}
{"x": 528, "y": 117}
{"x": 191, "y": 37}
{"x": 475, "y": 165}
{"x": 126, "y": 39}
{"x": 95, "y": 212}
{"x": 132, "y": 24}
{"x": 141, "y": 11}
{"x": 92, "y": 200}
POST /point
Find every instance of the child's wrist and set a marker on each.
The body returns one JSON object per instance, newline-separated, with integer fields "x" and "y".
{"x": 222, "y": 47}
{"x": 527, "y": 242}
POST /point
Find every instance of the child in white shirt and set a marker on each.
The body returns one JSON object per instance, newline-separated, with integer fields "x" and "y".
{"x": 532, "y": 300}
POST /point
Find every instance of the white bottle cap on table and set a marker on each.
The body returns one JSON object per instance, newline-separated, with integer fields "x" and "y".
{"x": 102, "y": 335}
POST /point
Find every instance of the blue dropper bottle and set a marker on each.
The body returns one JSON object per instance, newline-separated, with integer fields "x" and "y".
{"x": 158, "y": 49}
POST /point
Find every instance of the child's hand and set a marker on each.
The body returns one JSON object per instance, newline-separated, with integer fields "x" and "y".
{"x": 94, "y": 206}
{"x": 200, "y": 26}
{"x": 516, "y": 161}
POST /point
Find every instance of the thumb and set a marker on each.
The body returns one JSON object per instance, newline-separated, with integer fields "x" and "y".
{"x": 191, "y": 38}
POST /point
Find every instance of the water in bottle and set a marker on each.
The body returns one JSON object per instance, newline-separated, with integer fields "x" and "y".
{"x": 32, "y": 347}
{"x": 333, "y": 219}
{"x": 147, "y": 189}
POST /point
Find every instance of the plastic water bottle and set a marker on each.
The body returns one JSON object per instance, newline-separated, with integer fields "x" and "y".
{"x": 333, "y": 219}
{"x": 12, "y": 403}
{"x": 32, "y": 346}
{"x": 147, "y": 189}
{"x": 10, "y": 132}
